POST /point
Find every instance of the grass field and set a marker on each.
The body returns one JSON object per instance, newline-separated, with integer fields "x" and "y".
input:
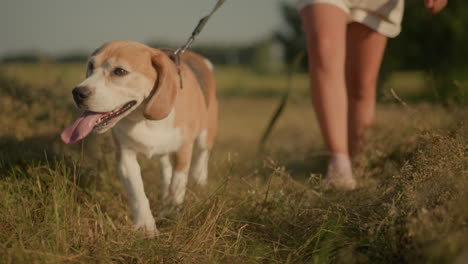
{"x": 65, "y": 204}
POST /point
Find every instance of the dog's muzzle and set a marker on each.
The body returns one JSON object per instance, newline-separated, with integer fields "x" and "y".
{"x": 80, "y": 94}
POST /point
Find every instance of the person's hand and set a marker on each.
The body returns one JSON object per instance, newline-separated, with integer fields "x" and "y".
{"x": 434, "y": 6}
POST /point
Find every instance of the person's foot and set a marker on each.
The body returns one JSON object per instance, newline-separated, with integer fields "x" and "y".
{"x": 339, "y": 173}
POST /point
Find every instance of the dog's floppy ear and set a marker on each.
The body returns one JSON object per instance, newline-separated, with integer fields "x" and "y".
{"x": 162, "y": 97}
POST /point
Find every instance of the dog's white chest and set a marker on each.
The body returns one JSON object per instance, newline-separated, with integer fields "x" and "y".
{"x": 149, "y": 137}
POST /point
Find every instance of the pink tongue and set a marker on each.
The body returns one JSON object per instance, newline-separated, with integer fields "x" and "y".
{"x": 81, "y": 128}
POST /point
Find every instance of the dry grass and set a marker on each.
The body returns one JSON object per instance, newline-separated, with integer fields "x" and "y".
{"x": 65, "y": 204}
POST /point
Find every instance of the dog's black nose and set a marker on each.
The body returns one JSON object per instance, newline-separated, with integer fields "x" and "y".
{"x": 80, "y": 94}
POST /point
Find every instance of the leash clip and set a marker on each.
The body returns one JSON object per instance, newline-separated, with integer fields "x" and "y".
{"x": 175, "y": 56}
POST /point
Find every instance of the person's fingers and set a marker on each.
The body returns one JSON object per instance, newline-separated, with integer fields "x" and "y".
{"x": 435, "y": 6}
{"x": 429, "y": 4}
{"x": 440, "y": 4}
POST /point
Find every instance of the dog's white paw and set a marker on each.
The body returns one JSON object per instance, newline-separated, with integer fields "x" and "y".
{"x": 149, "y": 229}
{"x": 201, "y": 176}
{"x": 199, "y": 170}
{"x": 146, "y": 225}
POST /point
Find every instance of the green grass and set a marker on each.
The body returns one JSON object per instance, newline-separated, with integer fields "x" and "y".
{"x": 65, "y": 204}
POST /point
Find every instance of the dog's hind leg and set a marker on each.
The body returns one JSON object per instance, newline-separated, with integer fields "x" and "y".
{"x": 179, "y": 177}
{"x": 129, "y": 172}
{"x": 166, "y": 170}
{"x": 199, "y": 170}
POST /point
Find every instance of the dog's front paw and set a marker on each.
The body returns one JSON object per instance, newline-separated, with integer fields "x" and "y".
{"x": 149, "y": 229}
{"x": 146, "y": 225}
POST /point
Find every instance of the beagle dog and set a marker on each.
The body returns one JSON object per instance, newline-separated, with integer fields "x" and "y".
{"x": 137, "y": 91}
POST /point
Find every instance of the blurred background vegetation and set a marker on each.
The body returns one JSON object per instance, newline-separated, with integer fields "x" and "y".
{"x": 427, "y": 61}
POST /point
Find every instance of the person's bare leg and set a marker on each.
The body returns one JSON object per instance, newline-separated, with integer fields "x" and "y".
{"x": 326, "y": 53}
{"x": 364, "y": 53}
{"x": 325, "y": 28}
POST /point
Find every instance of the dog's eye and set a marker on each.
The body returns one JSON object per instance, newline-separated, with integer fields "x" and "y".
{"x": 120, "y": 72}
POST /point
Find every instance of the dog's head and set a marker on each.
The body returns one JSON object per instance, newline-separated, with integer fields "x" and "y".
{"x": 122, "y": 76}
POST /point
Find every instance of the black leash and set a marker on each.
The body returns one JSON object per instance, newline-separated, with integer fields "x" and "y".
{"x": 175, "y": 56}
{"x": 284, "y": 99}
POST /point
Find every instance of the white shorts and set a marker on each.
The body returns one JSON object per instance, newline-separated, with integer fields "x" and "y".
{"x": 383, "y": 16}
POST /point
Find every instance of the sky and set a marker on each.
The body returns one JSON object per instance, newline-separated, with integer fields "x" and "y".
{"x": 57, "y": 27}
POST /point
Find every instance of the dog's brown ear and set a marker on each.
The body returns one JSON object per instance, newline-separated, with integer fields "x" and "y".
{"x": 162, "y": 97}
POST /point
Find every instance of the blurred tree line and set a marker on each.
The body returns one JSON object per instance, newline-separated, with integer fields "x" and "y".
{"x": 259, "y": 56}
{"x": 434, "y": 44}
